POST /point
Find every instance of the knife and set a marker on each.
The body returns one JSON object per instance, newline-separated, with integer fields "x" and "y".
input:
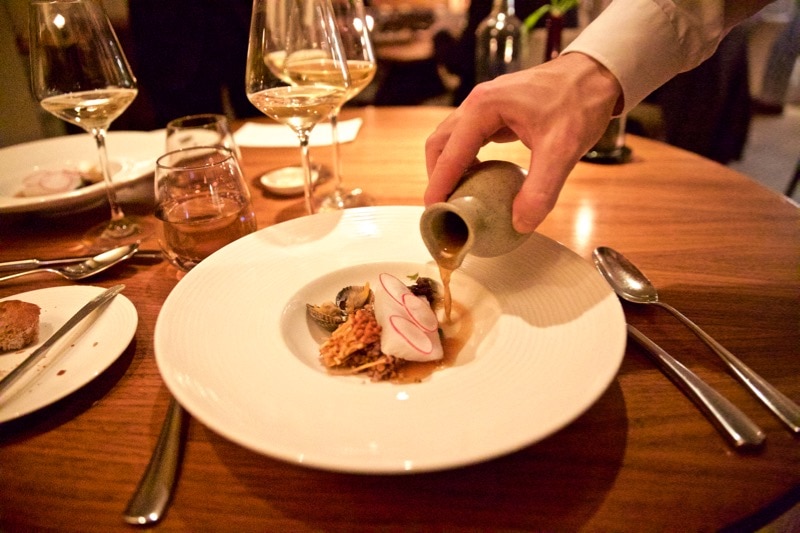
{"x": 140, "y": 255}
{"x": 152, "y": 497}
{"x": 734, "y": 425}
{"x": 33, "y": 358}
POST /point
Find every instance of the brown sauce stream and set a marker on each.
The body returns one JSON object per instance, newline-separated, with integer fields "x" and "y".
{"x": 445, "y": 274}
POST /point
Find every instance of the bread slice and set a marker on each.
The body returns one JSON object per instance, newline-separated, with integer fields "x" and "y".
{"x": 19, "y": 324}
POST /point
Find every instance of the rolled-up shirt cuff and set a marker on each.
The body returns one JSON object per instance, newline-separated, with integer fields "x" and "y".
{"x": 644, "y": 43}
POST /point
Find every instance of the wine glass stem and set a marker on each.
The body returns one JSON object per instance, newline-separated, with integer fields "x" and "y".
{"x": 337, "y": 157}
{"x": 307, "y": 183}
{"x": 116, "y": 210}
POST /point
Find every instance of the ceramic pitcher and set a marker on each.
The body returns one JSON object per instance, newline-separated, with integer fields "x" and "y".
{"x": 476, "y": 218}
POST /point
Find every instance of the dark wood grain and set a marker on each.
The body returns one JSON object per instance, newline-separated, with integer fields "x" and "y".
{"x": 720, "y": 247}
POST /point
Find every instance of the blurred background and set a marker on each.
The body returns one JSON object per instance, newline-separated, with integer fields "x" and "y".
{"x": 189, "y": 57}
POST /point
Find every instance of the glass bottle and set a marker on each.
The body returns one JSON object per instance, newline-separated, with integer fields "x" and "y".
{"x": 501, "y": 42}
{"x": 555, "y": 26}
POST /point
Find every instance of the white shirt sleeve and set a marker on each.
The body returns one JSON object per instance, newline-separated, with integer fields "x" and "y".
{"x": 644, "y": 43}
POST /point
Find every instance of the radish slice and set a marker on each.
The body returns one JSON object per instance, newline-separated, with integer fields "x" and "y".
{"x": 411, "y": 334}
{"x": 420, "y": 312}
{"x": 393, "y": 287}
{"x": 43, "y": 182}
{"x": 409, "y": 328}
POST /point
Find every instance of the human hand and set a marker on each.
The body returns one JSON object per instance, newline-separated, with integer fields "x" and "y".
{"x": 558, "y": 109}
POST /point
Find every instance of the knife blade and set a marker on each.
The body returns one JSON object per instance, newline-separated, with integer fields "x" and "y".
{"x": 143, "y": 256}
{"x": 34, "y": 357}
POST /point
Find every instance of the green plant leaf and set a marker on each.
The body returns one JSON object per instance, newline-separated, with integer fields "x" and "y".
{"x": 533, "y": 18}
{"x": 556, "y": 8}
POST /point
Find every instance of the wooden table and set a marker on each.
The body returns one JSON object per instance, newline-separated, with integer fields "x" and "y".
{"x": 720, "y": 247}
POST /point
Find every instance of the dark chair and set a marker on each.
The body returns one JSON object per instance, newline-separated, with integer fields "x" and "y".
{"x": 707, "y": 110}
{"x": 793, "y": 184}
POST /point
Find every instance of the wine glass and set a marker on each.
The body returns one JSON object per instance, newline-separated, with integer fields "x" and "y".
{"x": 79, "y": 74}
{"x": 282, "y": 31}
{"x": 357, "y": 47}
{"x": 206, "y": 129}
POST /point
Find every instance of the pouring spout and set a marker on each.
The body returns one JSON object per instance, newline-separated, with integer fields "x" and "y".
{"x": 477, "y": 217}
{"x": 446, "y": 234}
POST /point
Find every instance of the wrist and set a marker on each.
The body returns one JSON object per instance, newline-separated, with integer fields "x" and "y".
{"x": 596, "y": 79}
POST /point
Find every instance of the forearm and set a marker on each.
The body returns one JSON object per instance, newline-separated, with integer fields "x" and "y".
{"x": 644, "y": 43}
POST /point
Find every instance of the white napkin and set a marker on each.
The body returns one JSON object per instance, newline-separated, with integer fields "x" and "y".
{"x": 279, "y": 135}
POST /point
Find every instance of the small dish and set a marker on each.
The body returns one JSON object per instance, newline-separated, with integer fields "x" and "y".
{"x": 286, "y": 181}
{"x": 72, "y": 362}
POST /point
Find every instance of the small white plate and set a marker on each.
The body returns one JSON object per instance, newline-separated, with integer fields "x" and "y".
{"x": 76, "y": 359}
{"x": 234, "y": 346}
{"x": 131, "y": 153}
{"x": 286, "y": 181}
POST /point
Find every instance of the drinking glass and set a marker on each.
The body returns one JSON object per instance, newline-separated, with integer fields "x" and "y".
{"x": 80, "y": 74}
{"x": 610, "y": 148}
{"x": 202, "y": 203}
{"x": 283, "y": 34}
{"x": 354, "y": 31}
{"x": 208, "y": 129}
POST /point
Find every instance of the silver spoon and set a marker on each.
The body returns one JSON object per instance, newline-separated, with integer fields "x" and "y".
{"x": 632, "y": 285}
{"x": 84, "y": 269}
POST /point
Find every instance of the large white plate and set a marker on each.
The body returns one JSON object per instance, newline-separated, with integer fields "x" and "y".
{"x": 77, "y": 358}
{"x": 234, "y": 347}
{"x": 132, "y": 155}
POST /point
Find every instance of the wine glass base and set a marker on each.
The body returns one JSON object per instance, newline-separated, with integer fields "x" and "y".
{"x": 110, "y": 234}
{"x": 344, "y": 199}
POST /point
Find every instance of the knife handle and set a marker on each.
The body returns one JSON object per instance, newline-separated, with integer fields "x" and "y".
{"x": 153, "y": 495}
{"x": 734, "y": 425}
{"x": 20, "y": 265}
{"x": 785, "y": 409}
{"x": 141, "y": 256}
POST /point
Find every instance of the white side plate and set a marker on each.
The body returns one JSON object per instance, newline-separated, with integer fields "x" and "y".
{"x": 75, "y": 360}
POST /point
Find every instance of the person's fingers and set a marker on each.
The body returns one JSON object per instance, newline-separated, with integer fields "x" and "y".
{"x": 557, "y": 125}
{"x": 553, "y": 156}
{"x": 453, "y": 148}
{"x": 455, "y": 144}
{"x": 437, "y": 140}
{"x": 443, "y": 169}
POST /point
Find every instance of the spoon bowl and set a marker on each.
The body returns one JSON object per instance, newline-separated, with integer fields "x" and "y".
{"x": 632, "y": 285}
{"x": 627, "y": 281}
{"x": 84, "y": 269}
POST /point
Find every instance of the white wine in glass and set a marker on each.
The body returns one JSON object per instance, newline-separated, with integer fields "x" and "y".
{"x": 305, "y": 69}
{"x": 80, "y": 74}
{"x": 281, "y": 29}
